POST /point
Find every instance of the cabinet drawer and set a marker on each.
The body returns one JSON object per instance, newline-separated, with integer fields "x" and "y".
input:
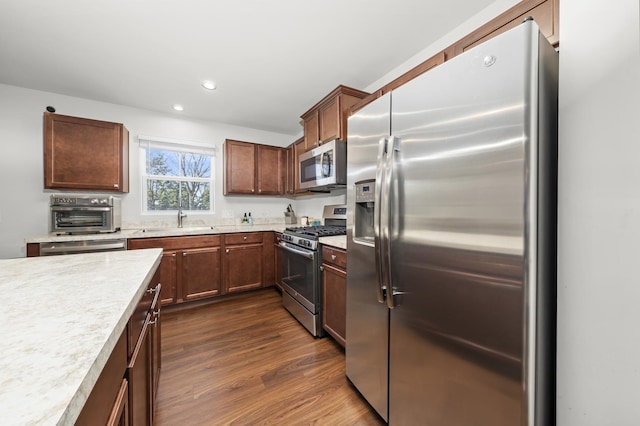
{"x": 244, "y": 238}
{"x": 175, "y": 243}
{"x": 334, "y": 256}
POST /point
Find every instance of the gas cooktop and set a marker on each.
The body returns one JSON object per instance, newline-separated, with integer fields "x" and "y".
{"x": 317, "y": 231}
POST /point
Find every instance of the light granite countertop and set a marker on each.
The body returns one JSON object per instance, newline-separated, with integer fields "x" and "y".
{"x": 60, "y": 319}
{"x": 158, "y": 232}
{"x": 339, "y": 241}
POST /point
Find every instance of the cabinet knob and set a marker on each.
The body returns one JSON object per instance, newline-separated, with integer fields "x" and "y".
{"x": 322, "y": 268}
{"x": 260, "y": 190}
{"x": 244, "y": 238}
{"x": 173, "y": 255}
{"x": 253, "y": 190}
{"x": 333, "y": 257}
{"x": 227, "y": 251}
{"x": 184, "y": 254}
{"x": 115, "y": 185}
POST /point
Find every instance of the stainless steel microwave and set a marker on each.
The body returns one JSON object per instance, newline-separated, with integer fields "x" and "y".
{"x": 325, "y": 167}
{"x": 87, "y": 214}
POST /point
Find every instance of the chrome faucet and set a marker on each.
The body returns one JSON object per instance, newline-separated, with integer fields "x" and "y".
{"x": 180, "y": 216}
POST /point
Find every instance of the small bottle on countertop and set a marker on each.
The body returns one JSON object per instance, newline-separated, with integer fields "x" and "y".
{"x": 244, "y": 219}
{"x": 250, "y": 219}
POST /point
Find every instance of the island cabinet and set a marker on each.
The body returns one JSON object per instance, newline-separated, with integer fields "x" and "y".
{"x": 334, "y": 293}
{"x": 124, "y": 393}
{"x": 190, "y": 268}
{"x": 327, "y": 120}
{"x": 253, "y": 169}
{"x": 83, "y": 154}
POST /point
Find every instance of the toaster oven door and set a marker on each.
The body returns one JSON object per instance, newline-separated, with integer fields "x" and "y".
{"x": 70, "y": 220}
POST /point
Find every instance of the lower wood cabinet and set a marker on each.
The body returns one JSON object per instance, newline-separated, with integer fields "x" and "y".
{"x": 334, "y": 293}
{"x": 243, "y": 261}
{"x": 190, "y": 267}
{"x": 200, "y": 273}
{"x": 204, "y": 266}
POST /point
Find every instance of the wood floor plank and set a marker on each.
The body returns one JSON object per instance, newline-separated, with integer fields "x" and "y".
{"x": 246, "y": 361}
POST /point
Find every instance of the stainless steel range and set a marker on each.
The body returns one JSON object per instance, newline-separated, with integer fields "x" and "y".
{"x": 301, "y": 281}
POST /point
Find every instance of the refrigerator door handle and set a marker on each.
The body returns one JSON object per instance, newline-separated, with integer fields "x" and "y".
{"x": 379, "y": 199}
{"x": 389, "y": 211}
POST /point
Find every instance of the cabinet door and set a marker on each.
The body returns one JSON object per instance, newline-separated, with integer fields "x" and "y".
{"x": 329, "y": 121}
{"x": 270, "y": 170}
{"x": 82, "y": 154}
{"x": 120, "y": 413}
{"x": 140, "y": 381}
{"x": 240, "y": 167}
{"x": 200, "y": 273}
{"x": 243, "y": 267}
{"x": 168, "y": 278}
{"x": 311, "y": 132}
{"x": 334, "y": 310}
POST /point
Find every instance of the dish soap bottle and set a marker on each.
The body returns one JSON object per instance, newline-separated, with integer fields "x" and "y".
{"x": 244, "y": 219}
{"x": 250, "y": 219}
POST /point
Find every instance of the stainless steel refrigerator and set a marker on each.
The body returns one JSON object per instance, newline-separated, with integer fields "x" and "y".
{"x": 451, "y": 195}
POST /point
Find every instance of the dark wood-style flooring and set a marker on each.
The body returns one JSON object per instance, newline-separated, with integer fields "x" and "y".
{"x": 246, "y": 361}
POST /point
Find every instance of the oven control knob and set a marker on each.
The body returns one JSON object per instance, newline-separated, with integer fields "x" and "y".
{"x": 104, "y": 201}
{"x": 94, "y": 201}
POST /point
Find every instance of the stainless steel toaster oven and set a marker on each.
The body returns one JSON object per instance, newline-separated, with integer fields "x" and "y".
{"x": 84, "y": 214}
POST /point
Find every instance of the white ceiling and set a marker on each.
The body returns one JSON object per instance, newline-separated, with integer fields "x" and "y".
{"x": 271, "y": 59}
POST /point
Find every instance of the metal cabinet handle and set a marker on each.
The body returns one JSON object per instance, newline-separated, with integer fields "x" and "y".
{"x": 244, "y": 238}
{"x": 227, "y": 251}
{"x": 115, "y": 185}
{"x": 173, "y": 255}
{"x": 184, "y": 254}
{"x": 322, "y": 268}
{"x": 156, "y": 317}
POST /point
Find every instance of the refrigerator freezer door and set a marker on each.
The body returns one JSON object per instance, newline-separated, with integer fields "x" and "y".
{"x": 457, "y": 351}
{"x": 367, "y": 318}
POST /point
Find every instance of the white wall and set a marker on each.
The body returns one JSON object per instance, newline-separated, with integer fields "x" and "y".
{"x": 24, "y": 202}
{"x": 599, "y": 214}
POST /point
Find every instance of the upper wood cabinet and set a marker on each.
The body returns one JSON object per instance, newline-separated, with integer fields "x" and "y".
{"x": 253, "y": 169}
{"x": 327, "y": 120}
{"x": 83, "y": 154}
{"x": 544, "y": 12}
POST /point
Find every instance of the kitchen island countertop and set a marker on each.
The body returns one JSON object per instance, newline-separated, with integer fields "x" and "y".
{"x": 61, "y": 317}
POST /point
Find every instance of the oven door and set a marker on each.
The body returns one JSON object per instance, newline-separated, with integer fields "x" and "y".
{"x": 300, "y": 275}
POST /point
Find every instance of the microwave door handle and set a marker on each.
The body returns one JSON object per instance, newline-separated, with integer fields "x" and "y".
{"x": 327, "y": 157}
{"x": 377, "y": 216}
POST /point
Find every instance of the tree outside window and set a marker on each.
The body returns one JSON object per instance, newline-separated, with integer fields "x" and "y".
{"x": 174, "y": 177}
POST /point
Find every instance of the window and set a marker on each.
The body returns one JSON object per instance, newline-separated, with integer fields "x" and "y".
{"x": 176, "y": 174}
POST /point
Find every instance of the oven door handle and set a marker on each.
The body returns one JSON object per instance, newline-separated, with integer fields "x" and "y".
{"x": 301, "y": 252}
{"x": 80, "y": 209}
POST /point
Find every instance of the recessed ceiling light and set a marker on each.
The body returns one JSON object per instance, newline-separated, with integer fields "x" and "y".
{"x": 209, "y": 85}
{"x": 178, "y": 107}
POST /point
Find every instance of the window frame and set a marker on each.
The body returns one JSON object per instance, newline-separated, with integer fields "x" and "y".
{"x": 176, "y": 146}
